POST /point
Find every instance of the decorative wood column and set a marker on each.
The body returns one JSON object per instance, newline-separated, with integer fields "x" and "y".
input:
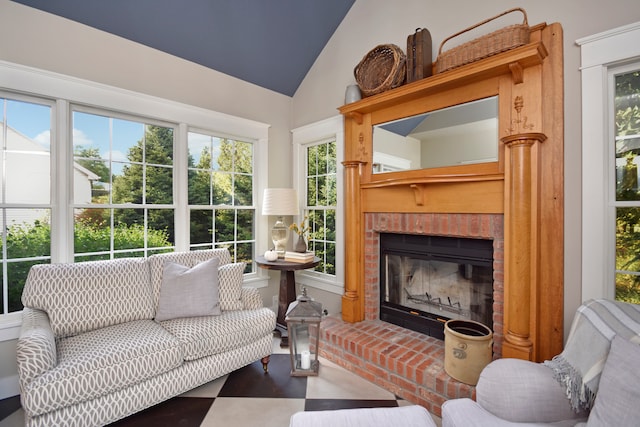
{"x": 353, "y": 297}
{"x": 521, "y": 243}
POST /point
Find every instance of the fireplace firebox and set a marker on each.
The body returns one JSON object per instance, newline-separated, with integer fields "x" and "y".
{"x": 426, "y": 280}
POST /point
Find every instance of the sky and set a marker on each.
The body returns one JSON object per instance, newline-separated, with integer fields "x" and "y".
{"x": 89, "y": 130}
{"x": 110, "y": 135}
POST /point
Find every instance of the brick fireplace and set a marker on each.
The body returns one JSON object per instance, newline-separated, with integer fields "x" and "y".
{"x": 517, "y": 201}
{"x": 408, "y": 363}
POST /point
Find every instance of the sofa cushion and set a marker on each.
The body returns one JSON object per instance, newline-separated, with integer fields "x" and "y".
{"x": 516, "y": 390}
{"x": 189, "y": 292}
{"x": 231, "y": 277}
{"x": 188, "y": 259}
{"x": 208, "y": 335}
{"x": 84, "y": 296}
{"x": 617, "y": 402}
{"x": 465, "y": 412}
{"x": 102, "y": 361}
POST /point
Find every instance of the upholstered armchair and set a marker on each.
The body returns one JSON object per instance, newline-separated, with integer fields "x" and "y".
{"x": 595, "y": 381}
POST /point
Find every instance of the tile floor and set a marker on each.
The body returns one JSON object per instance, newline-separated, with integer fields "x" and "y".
{"x": 251, "y": 398}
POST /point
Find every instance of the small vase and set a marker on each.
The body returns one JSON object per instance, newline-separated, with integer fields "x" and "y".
{"x": 301, "y": 245}
{"x": 352, "y": 94}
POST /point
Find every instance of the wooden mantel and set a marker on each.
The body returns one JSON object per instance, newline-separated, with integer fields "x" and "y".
{"x": 525, "y": 185}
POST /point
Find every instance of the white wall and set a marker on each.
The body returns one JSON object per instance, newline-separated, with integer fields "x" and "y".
{"x": 373, "y": 22}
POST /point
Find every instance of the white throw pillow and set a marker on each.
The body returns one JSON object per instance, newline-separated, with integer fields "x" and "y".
{"x": 618, "y": 400}
{"x": 189, "y": 292}
{"x": 231, "y": 276}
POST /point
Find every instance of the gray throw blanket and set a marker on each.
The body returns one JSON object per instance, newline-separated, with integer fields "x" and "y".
{"x": 579, "y": 365}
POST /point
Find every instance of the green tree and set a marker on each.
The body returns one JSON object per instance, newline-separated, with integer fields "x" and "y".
{"x": 90, "y": 158}
{"x": 627, "y": 108}
{"x": 224, "y": 179}
{"x": 148, "y": 178}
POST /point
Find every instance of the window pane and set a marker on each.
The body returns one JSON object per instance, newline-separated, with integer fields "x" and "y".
{"x": 25, "y": 179}
{"x": 28, "y": 233}
{"x": 244, "y": 253}
{"x": 158, "y": 146}
{"x": 28, "y": 126}
{"x": 222, "y": 188}
{"x": 201, "y": 224}
{"x": 312, "y": 191}
{"x": 243, "y": 194}
{"x": 27, "y": 150}
{"x": 627, "y": 150}
{"x": 159, "y": 185}
{"x": 245, "y": 224}
{"x": 312, "y": 160}
{"x": 628, "y": 288}
{"x": 628, "y": 254}
{"x": 331, "y": 225}
{"x": 199, "y": 147}
{"x": 160, "y": 229}
{"x": 130, "y": 163}
{"x": 221, "y": 177}
{"x": 225, "y": 225}
{"x": 332, "y": 163}
{"x": 92, "y": 231}
{"x": 243, "y": 157}
{"x": 321, "y": 196}
{"x": 322, "y": 159}
{"x": 627, "y": 135}
{"x": 199, "y": 187}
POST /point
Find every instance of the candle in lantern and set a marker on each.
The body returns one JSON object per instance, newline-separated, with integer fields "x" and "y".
{"x": 305, "y": 360}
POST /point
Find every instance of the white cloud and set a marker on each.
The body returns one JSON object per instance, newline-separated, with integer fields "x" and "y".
{"x": 81, "y": 138}
{"x": 116, "y": 156}
{"x": 43, "y": 138}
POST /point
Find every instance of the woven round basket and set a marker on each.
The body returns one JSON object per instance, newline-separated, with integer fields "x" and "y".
{"x": 381, "y": 69}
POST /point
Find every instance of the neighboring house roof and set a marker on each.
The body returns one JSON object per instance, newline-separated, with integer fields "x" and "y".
{"x": 16, "y": 141}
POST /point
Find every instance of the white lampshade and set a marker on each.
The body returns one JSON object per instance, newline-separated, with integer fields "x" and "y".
{"x": 280, "y": 202}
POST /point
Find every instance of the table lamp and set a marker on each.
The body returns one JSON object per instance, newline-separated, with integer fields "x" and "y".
{"x": 280, "y": 202}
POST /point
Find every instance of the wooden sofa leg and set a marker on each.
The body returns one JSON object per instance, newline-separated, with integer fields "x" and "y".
{"x": 265, "y": 363}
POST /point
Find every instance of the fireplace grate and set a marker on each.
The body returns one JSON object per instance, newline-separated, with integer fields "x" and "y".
{"x": 427, "y": 280}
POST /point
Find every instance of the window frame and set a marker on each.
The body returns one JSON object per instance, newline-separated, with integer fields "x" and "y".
{"x": 331, "y": 128}
{"x": 146, "y": 206}
{"x": 10, "y": 322}
{"x": 602, "y": 56}
{"x": 214, "y": 207}
{"x": 65, "y": 91}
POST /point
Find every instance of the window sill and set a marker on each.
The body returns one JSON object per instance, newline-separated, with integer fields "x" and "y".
{"x": 314, "y": 281}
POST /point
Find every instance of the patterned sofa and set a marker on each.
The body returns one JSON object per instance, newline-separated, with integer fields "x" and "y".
{"x": 93, "y": 348}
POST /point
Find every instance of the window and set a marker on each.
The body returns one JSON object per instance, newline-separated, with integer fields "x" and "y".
{"x": 25, "y": 192}
{"x": 626, "y": 147}
{"x": 123, "y": 187}
{"x": 610, "y": 199}
{"x": 111, "y": 180}
{"x": 318, "y": 173}
{"x": 222, "y": 212}
{"x": 321, "y": 200}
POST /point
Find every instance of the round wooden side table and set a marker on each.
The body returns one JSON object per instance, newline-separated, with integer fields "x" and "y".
{"x": 287, "y": 293}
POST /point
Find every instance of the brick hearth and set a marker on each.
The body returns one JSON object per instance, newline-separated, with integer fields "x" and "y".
{"x": 405, "y": 362}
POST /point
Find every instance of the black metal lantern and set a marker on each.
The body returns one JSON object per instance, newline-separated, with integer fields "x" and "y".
{"x": 303, "y": 323}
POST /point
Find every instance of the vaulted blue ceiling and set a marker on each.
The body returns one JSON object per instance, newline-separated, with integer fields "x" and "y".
{"x": 270, "y": 43}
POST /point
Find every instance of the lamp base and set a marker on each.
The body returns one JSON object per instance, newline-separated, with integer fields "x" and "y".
{"x": 280, "y": 235}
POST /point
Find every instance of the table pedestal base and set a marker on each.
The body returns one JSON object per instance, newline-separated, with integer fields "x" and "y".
{"x": 286, "y": 295}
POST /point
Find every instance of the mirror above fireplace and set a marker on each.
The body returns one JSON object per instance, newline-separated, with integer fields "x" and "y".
{"x": 458, "y": 135}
